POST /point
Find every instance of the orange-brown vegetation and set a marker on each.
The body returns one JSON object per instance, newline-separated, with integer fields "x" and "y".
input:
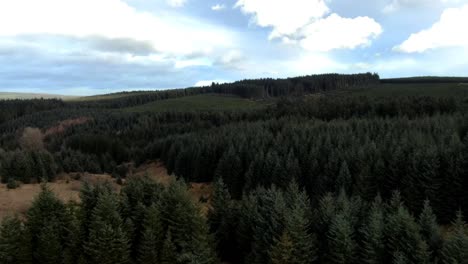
{"x": 65, "y": 124}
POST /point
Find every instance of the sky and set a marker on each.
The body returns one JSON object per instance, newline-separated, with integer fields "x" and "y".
{"x": 85, "y": 47}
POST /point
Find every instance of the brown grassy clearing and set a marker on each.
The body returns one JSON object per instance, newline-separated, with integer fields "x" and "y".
{"x": 67, "y": 188}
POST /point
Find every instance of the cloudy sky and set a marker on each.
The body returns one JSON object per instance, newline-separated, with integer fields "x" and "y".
{"x": 83, "y": 47}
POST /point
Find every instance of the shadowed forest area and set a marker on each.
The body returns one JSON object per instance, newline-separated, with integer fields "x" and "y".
{"x": 314, "y": 169}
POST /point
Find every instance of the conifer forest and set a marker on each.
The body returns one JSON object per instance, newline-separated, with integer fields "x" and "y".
{"x": 330, "y": 168}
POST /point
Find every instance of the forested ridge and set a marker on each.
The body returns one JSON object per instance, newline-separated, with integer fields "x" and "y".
{"x": 315, "y": 175}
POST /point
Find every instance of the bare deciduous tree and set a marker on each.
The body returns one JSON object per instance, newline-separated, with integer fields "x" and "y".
{"x": 32, "y": 139}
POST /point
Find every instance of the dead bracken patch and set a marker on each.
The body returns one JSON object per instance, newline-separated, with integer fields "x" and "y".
{"x": 68, "y": 185}
{"x": 65, "y": 124}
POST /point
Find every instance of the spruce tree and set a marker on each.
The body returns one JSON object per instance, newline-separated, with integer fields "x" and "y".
{"x": 47, "y": 210}
{"x": 282, "y": 251}
{"x": 341, "y": 244}
{"x": 14, "y": 242}
{"x": 297, "y": 225}
{"x": 229, "y": 169}
{"x": 107, "y": 242}
{"x": 152, "y": 237}
{"x": 402, "y": 233}
{"x": 220, "y": 219}
{"x": 430, "y": 230}
{"x": 49, "y": 244}
{"x": 168, "y": 251}
{"x": 455, "y": 249}
{"x": 373, "y": 244}
{"x": 344, "y": 180}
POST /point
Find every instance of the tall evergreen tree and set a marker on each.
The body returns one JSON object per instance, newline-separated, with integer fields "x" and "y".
{"x": 221, "y": 220}
{"x": 14, "y": 242}
{"x": 430, "y": 229}
{"x": 344, "y": 180}
{"x": 152, "y": 237}
{"x": 282, "y": 251}
{"x": 297, "y": 226}
{"x": 341, "y": 244}
{"x": 46, "y": 211}
{"x": 455, "y": 249}
{"x": 373, "y": 244}
{"x": 107, "y": 242}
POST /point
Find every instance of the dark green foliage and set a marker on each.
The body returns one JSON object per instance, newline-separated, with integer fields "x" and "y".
{"x": 293, "y": 180}
{"x": 12, "y": 184}
{"x": 373, "y": 248}
{"x": 48, "y": 220}
{"x": 152, "y": 237}
{"x": 107, "y": 242}
{"x": 455, "y": 250}
{"x": 282, "y": 250}
{"x": 341, "y": 244}
{"x": 430, "y": 230}
{"x": 14, "y": 242}
{"x": 221, "y": 220}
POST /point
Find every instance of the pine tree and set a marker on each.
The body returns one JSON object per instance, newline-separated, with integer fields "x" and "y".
{"x": 341, "y": 242}
{"x": 46, "y": 211}
{"x": 14, "y": 242}
{"x": 49, "y": 244}
{"x": 430, "y": 230}
{"x": 168, "y": 251}
{"x": 107, "y": 242}
{"x": 220, "y": 219}
{"x": 152, "y": 237}
{"x": 188, "y": 228}
{"x": 344, "y": 180}
{"x": 455, "y": 249}
{"x": 402, "y": 233}
{"x": 282, "y": 251}
{"x": 297, "y": 225}
{"x": 230, "y": 170}
{"x": 399, "y": 258}
{"x": 373, "y": 247}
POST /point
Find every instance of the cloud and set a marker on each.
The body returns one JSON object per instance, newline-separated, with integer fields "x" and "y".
{"x": 449, "y": 31}
{"x": 232, "y": 59}
{"x": 285, "y": 17}
{"x": 111, "y": 19}
{"x": 394, "y": 5}
{"x": 218, "y": 7}
{"x": 335, "y": 32}
{"x": 176, "y": 3}
{"x": 308, "y": 23}
{"x": 121, "y": 45}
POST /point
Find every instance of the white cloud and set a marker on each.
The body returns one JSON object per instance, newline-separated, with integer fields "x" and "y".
{"x": 231, "y": 59}
{"x": 176, "y": 3}
{"x": 396, "y": 5}
{"x": 286, "y": 17}
{"x": 307, "y": 23}
{"x": 335, "y": 32}
{"x": 449, "y": 31}
{"x": 218, "y": 7}
{"x": 111, "y": 19}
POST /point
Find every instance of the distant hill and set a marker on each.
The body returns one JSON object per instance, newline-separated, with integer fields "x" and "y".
{"x": 11, "y": 95}
{"x": 426, "y": 79}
